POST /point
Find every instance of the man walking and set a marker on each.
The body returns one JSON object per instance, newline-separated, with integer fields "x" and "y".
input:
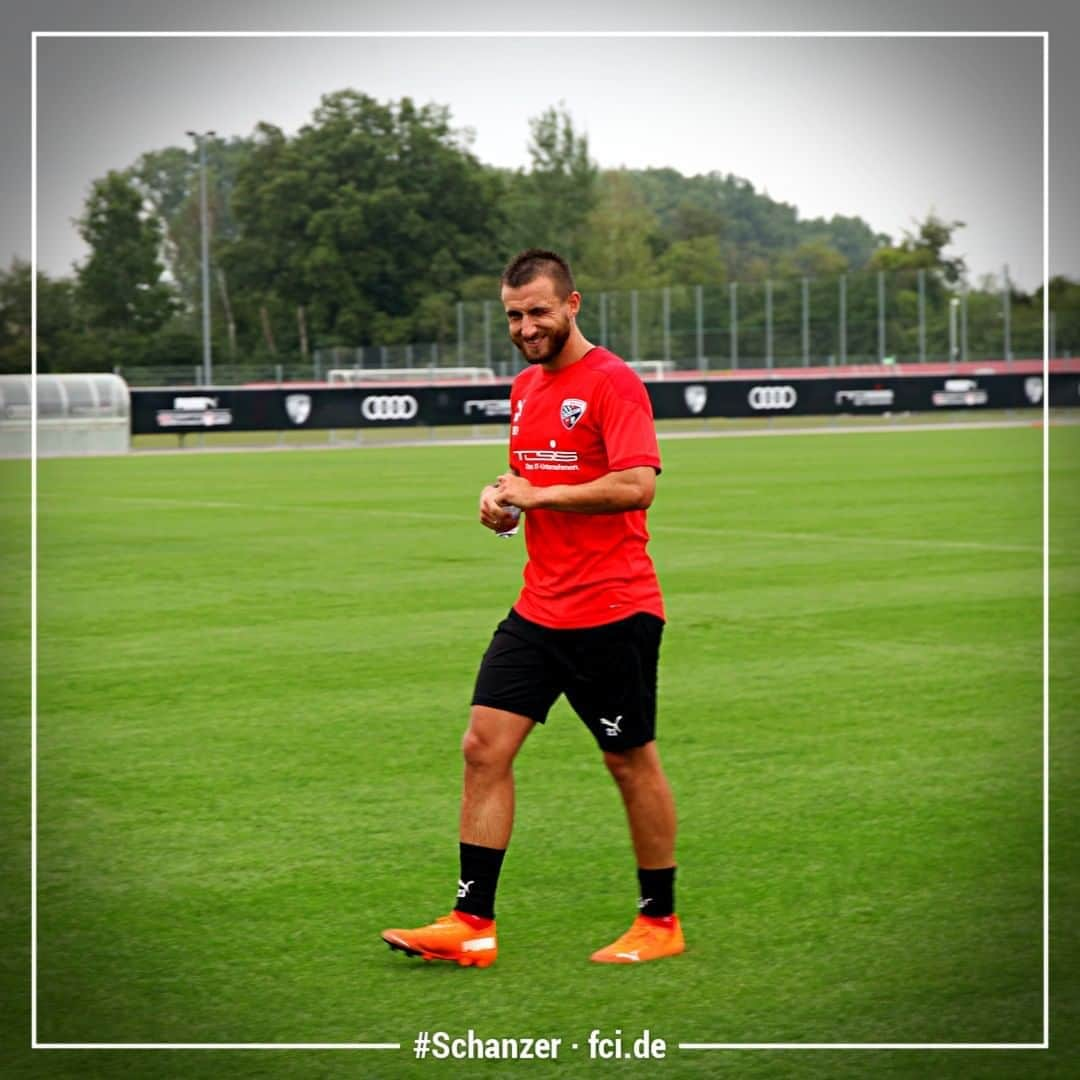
{"x": 588, "y": 621}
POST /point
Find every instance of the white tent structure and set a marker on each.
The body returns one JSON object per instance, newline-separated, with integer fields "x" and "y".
{"x": 76, "y": 414}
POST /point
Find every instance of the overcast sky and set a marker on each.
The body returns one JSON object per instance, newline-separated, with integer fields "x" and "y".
{"x": 883, "y": 128}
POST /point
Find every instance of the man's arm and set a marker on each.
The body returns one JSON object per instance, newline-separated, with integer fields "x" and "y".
{"x": 612, "y": 493}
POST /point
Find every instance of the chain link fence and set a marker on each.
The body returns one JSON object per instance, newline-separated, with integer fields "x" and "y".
{"x": 862, "y": 318}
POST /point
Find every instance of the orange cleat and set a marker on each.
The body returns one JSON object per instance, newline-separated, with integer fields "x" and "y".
{"x": 451, "y": 937}
{"x": 647, "y": 939}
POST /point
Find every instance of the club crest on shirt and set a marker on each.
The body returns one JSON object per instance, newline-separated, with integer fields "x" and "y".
{"x": 571, "y": 411}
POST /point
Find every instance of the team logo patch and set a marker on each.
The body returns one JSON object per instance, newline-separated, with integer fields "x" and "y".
{"x": 571, "y": 411}
{"x": 695, "y": 397}
{"x": 298, "y": 406}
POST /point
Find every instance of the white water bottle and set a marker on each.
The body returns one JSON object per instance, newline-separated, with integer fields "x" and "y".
{"x": 512, "y": 531}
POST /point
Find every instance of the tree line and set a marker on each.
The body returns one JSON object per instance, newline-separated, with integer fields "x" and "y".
{"x": 370, "y": 223}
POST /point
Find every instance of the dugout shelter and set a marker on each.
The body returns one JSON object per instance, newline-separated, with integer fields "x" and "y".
{"x": 76, "y": 414}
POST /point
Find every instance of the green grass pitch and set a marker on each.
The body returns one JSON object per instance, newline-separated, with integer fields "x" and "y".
{"x": 255, "y": 670}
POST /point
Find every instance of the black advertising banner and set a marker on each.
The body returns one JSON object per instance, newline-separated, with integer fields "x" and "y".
{"x": 1065, "y": 389}
{"x": 156, "y": 411}
{"x": 281, "y": 408}
{"x": 733, "y": 397}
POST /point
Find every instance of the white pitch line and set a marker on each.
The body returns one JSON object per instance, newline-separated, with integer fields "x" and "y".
{"x": 295, "y": 508}
{"x": 703, "y": 530}
{"x": 900, "y": 541}
{"x": 860, "y": 429}
{"x": 215, "y": 1046}
{"x": 865, "y": 1046}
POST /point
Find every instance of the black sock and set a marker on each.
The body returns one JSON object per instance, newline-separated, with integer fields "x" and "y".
{"x": 657, "y": 897}
{"x": 480, "y": 868}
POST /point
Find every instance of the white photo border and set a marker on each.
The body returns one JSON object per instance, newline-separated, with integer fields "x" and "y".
{"x": 35, "y": 1043}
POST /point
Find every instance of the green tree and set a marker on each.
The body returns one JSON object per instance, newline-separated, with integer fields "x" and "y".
{"x": 548, "y": 205}
{"x": 370, "y": 208}
{"x": 697, "y": 218}
{"x": 850, "y": 236}
{"x": 1065, "y": 306}
{"x": 754, "y": 229}
{"x": 119, "y": 285}
{"x": 15, "y": 317}
{"x": 699, "y": 260}
{"x": 924, "y": 250}
{"x": 811, "y": 258}
{"x": 169, "y": 181}
{"x": 620, "y": 234}
{"x": 62, "y": 341}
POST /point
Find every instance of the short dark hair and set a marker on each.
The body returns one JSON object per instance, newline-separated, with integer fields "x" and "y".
{"x": 532, "y": 263}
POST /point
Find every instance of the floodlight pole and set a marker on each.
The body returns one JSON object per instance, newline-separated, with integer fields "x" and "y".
{"x": 208, "y": 369}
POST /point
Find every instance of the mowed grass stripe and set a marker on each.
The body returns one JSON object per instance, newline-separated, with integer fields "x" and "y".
{"x": 249, "y": 726}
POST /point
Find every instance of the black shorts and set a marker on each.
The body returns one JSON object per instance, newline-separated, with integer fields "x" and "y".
{"x": 608, "y": 674}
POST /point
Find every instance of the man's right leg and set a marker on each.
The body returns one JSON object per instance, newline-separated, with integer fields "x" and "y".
{"x": 467, "y": 934}
{"x": 487, "y": 802}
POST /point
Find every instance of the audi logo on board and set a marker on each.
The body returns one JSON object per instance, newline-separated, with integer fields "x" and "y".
{"x": 772, "y": 397}
{"x": 389, "y": 407}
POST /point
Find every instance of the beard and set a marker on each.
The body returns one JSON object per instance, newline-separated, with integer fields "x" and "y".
{"x": 550, "y": 345}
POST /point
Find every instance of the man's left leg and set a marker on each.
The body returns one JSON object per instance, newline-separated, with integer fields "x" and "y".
{"x": 650, "y": 807}
{"x": 650, "y": 812}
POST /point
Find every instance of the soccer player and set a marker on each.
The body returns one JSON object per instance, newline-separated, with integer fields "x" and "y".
{"x": 588, "y": 621}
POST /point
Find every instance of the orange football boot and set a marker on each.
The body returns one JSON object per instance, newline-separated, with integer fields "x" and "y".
{"x": 450, "y": 937}
{"x": 647, "y": 939}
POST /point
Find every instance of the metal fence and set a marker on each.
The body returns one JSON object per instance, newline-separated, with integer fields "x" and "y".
{"x": 861, "y": 318}
{"x": 852, "y": 319}
{"x": 294, "y": 368}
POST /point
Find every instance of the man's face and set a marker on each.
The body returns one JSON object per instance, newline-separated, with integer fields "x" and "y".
{"x": 540, "y": 321}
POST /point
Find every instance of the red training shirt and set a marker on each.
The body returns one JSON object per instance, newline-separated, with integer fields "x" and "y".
{"x": 570, "y": 427}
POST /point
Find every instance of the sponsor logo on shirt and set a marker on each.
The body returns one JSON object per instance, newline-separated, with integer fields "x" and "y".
{"x": 571, "y": 411}
{"x": 559, "y": 460}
